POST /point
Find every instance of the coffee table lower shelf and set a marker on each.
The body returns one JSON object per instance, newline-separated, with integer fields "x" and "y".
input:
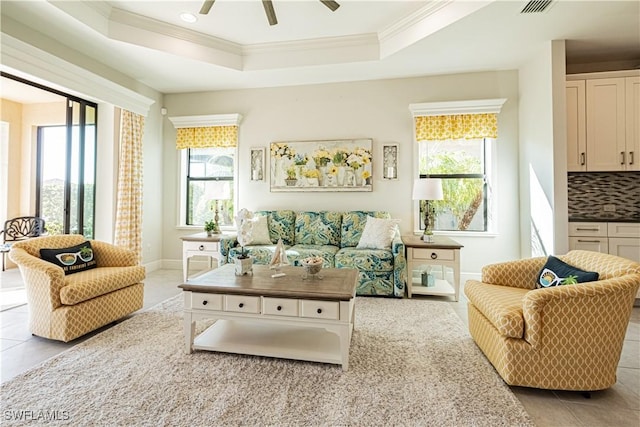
{"x": 281, "y": 341}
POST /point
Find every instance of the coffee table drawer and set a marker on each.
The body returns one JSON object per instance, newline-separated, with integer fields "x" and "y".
{"x": 321, "y": 309}
{"x": 280, "y": 306}
{"x": 242, "y": 304}
{"x": 206, "y": 301}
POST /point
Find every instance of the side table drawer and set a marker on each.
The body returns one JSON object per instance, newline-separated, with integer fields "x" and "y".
{"x": 433, "y": 254}
{"x": 201, "y": 246}
{"x": 206, "y": 301}
{"x": 321, "y": 309}
{"x": 242, "y": 304}
{"x": 280, "y": 306}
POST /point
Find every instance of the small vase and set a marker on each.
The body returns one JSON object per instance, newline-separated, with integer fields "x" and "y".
{"x": 291, "y": 182}
{"x": 323, "y": 176}
{"x": 243, "y": 266}
{"x": 358, "y": 175}
{"x": 340, "y": 176}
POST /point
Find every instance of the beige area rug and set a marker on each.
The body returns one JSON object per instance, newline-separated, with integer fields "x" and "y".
{"x": 412, "y": 363}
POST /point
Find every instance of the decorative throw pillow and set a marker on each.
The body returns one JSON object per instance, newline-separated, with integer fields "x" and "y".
{"x": 378, "y": 233}
{"x": 72, "y": 260}
{"x": 260, "y": 231}
{"x": 556, "y": 272}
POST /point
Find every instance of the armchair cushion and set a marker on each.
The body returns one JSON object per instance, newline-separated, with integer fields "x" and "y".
{"x": 73, "y": 259}
{"x": 555, "y": 272}
{"x": 95, "y": 283}
{"x": 501, "y": 305}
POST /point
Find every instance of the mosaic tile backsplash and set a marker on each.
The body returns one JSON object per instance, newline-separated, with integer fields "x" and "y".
{"x": 591, "y": 196}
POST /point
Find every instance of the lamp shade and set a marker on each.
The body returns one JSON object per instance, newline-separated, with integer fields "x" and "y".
{"x": 218, "y": 190}
{"x": 427, "y": 189}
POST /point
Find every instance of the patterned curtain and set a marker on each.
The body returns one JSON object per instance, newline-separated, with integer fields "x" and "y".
{"x": 458, "y": 126}
{"x": 129, "y": 197}
{"x": 203, "y": 137}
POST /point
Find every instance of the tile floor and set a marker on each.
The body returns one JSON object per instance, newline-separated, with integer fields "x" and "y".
{"x": 619, "y": 406}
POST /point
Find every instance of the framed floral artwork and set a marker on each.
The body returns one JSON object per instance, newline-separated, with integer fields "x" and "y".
{"x": 257, "y": 164}
{"x": 335, "y": 165}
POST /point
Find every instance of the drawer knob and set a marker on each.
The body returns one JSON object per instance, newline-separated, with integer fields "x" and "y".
{"x": 434, "y": 255}
{"x": 319, "y": 311}
{"x": 241, "y": 305}
{"x": 204, "y": 302}
{"x": 201, "y": 247}
{"x": 279, "y": 308}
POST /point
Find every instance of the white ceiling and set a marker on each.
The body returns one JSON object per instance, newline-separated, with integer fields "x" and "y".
{"x": 234, "y": 47}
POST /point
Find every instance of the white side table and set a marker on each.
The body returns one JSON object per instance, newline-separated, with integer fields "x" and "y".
{"x": 200, "y": 244}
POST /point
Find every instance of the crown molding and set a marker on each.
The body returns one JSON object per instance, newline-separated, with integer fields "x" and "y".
{"x": 30, "y": 62}
{"x": 477, "y": 106}
{"x": 209, "y": 120}
{"x": 415, "y": 18}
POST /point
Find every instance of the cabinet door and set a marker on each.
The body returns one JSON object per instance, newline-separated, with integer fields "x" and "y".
{"x": 576, "y": 131}
{"x": 633, "y": 123}
{"x": 606, "y": 124}
{"x": 595, "y": 244}
{"x": 625, "y": 247}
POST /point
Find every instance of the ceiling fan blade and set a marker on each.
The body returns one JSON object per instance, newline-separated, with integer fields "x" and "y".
{"x": 330, "y": 4}
{"x": 271, "y": 14}
{"x": 206, "y": 6}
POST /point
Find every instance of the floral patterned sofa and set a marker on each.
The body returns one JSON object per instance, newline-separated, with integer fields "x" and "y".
{"x": 334, "y": 237}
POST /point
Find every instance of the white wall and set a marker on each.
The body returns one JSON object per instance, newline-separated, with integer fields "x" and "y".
{"x": 373, "y": 109}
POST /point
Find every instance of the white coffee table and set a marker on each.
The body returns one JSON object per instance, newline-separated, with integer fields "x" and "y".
{"x": 285, "y": 317}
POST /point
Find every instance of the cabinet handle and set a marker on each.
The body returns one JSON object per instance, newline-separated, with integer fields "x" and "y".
{"x": 434, "y": 255}
{"x": 582, "y": 159}
{"x": 622, "y": 157}
{"x": 630, "y": 157}
{"x": 319, "y": 311}
{"x": 241, "y": 305}
{"x": 204, "y": 302}
{"x": 279, "y": 308}
{"x": 586, "y": 229}
{"x": 201, "y": 248}
{"x": 589, "y": 241}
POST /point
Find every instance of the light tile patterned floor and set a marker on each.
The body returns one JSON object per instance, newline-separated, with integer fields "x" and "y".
{"x": 619, "y": 406}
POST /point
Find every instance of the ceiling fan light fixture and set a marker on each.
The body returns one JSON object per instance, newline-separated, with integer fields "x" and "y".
{"x": 188, "y": 17}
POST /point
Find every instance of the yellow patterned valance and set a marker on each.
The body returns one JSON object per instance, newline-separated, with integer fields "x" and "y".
{"x": 204, "y": 137}
{"x": 456, "y": 126}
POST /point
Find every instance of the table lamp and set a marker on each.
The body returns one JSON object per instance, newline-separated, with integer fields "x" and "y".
{"x": 428, "y": 189}
{"x": 219, "y": 191}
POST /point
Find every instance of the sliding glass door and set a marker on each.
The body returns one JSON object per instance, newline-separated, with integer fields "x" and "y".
{"x": 65, "y": 191}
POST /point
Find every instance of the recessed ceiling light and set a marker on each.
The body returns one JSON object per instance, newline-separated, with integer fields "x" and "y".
{"x": 188, "y": 17}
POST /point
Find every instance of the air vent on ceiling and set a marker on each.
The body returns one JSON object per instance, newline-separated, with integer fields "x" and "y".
{"x": 536, "y": 6}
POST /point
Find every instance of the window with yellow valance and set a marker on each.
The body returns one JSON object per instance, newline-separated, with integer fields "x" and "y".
{"x": 456, "y": 126}
{"x": 204, "y": 137}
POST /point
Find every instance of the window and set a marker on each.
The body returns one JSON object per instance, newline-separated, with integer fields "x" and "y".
{"x": 462, "y": 165}
{"x": 455, "y": 142}
{"x": 209, "y": 185}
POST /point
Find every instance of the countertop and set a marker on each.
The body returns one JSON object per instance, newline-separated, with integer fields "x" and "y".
{"x": 591, "y": 219}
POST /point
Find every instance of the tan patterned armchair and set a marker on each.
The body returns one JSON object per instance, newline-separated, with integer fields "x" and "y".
{"x": 567, "y": 337}
{"x": 64, "y": 307}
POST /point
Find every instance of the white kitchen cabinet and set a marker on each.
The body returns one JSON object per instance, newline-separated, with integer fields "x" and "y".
{"x": 603, "y": 122}
{"x": 589, "y": 236}
{"x": 576, "y": 130}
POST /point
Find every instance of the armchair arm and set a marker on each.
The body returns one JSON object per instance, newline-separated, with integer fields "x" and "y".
{"x": 520, "y": 273}
{"x": 108, "y": 255}
{"x": 399, "y": 266}
{"x": 589, "y": 313}
{"x": 43, "y": 280}
{"x": 226, "y": 243}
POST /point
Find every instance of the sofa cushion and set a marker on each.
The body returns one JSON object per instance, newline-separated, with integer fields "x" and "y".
{"x": 501, "y": 305}
{"x": 556, "y": 272}
{"x": 318, "y": 228}
{"x": 89, "y": 284}
{"x": 365, "y": 259}
{"x": 378, "y": 233}
{"x": 73, "y": 259}
{"x": 281, "y": 225}
{"x": 326, "y": 252}
{"x": 353, "y": 224}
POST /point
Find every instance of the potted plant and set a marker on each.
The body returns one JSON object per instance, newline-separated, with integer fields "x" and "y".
{"x": 211, "y": 227}
{"x": 292, "y": 176}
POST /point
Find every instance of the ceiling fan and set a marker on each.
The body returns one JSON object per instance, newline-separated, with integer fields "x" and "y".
{"x": 268, "y": 8}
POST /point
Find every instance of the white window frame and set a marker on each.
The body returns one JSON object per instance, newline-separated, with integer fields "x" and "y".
{"x": 463, "y": 107}
{"x": 201, "y": 121}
